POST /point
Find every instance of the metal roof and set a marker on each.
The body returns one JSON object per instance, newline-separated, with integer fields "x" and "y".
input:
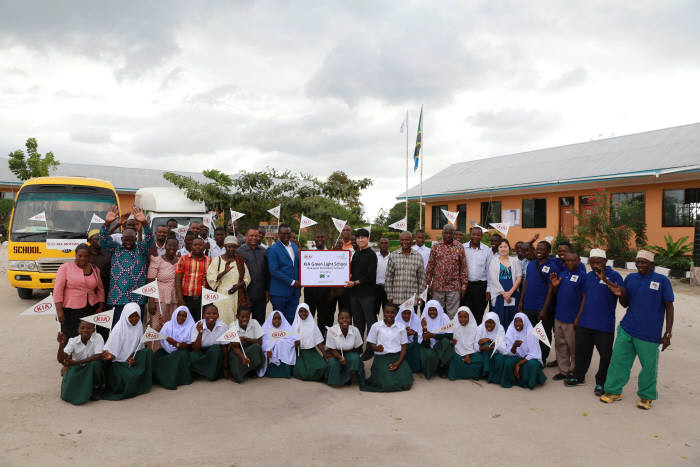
{"x": 650, "y": 153}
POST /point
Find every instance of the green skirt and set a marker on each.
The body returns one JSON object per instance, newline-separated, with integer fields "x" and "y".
{"x": 413, "y": 356}
{"x": 80, "y": 381}
{"x": 310, "y": 366}
{"x": 507, "y": 378}
{"x": 208, "y": 362}
{"x": 124, "y": 381}
{"x": 339, "y": 375}
{"x": 279, "y": 371}
{"x": 493, "y": 366}
{"x": 235, "y": 365}
{"x": 531, "y": 374}
{"x": 432, "y": 359}
{"x": 385, "y": 380}
{"x": 171, "y": 370}
{"x": 458, "y": 369}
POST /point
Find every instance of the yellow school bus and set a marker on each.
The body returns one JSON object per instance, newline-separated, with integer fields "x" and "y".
{"x": 50, "y": 217}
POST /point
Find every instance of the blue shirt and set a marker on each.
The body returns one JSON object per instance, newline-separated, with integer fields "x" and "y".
{"x": 648, "y": 296}
{"x": 537, "y": 285}
{"x": 599, "y": 308}
{"x": 558, "y": 266}
{"x": 569, "y": 295}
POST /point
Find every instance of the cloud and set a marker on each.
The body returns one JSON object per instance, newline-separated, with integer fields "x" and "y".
{"x": 514, "y": 125}
{"x": 570, "y": 79}
{"x": 91, "y": 136}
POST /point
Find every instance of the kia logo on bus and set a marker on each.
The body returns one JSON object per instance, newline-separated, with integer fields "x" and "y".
{"x": 42, "y": 307}
{"x": 101, "y": 319}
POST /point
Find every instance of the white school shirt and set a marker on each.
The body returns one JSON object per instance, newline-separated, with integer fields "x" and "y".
{"x": 390, "y": 337}
{"x": 478, "y": 261}
{"x": 183, "y": 251}
{"x": 381, "y": 268}
{"x": 209, "y": 337}
{"x": 352, "y": 341}
{"x": 215, "y": 251}
{"x": 76, "y": 350}
{"x": 424, "y": 252}
{"x": 253, "y": 331}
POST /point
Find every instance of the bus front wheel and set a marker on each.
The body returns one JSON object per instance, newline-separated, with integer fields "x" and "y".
{"x": 24, "y": 294}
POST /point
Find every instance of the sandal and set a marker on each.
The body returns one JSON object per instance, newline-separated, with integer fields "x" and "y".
{"x": 610, "y": 398}
{"x": 644, "y": 404}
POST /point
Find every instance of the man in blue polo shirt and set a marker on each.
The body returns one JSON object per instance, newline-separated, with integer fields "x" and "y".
{"x": 649, "y": 298}
{"x": 568, "y": 287}
{"x": 595, "y": 323}
{"x": 537, "y": 291}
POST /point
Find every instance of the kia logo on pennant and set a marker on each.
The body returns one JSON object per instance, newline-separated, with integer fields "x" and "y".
{"x": 101, "y": 319}
{"x": 42, "y": 307}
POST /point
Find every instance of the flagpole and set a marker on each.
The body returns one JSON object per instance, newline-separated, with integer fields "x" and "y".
{"x": 420, "y": 203}
{"x": 406, "y": 165}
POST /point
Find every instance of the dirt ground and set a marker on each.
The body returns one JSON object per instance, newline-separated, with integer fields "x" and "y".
{"x": 276, "y": 422}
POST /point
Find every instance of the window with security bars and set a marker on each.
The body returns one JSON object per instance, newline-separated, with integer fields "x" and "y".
{"x": 681, "y": 207}
{"x": 534, "y": 213}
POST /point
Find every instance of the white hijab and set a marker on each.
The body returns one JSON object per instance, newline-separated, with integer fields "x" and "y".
{"x": 413, "y": 323}
{"x": 436, "y": 323}
{"x": 465, "y": 335}
{"x": 483, "y": 333}
{"x": 283, "y": 349}
{"x": 179, "y": 332}
{"x": 307, "y": 329}
{"x": 124, "y": 338}
{"x": 530, "y": 348}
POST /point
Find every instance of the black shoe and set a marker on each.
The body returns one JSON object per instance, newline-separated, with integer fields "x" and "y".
{"x": 598, "y": 391}
{"x": 367, "y": 355}
{"x": 573, "y": 382}
{"x": 558, "y": 377}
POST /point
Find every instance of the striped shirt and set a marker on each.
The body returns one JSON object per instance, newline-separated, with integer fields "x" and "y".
{"x": 405, "y": 276}
{"x": 194, "y": 272}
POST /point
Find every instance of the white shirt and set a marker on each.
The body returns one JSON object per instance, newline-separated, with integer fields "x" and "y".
{"x": 290, "y": 250}
{"x": 215, "y": 250}
{"x": 352, "y": 341}
{"x": 252, "y": 331}
{"x": 77, "y": 351}
{"x": 160, "y": 250}
{"x": 478, "y": 261}
{"x": 424, "y": 252}
{"x": 390, "y": 337}
{"x": 209, "y": 337}
{"x": 382, "y": 261}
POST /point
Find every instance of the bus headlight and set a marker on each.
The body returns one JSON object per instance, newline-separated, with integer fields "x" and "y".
{"x": 23, "y": 266}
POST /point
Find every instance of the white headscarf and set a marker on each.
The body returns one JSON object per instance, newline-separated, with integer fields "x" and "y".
{"x": 124, "y": 338}
{"x": 465, "y": 335}
{"x": 307, "y": 329}
{"x": 282, "y": 349}
{"x": 413, "y": 323}
{"x": 530, "y": 348}
{"x": 483, "y": 333}
{"x": 434, "y": 323}
{"x": 179, "y": 332}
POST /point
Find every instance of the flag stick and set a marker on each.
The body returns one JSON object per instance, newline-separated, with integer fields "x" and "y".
{"x": 242, "y": 349}
{"x": 420, "y": 203}
{"x": 406, "y": 166}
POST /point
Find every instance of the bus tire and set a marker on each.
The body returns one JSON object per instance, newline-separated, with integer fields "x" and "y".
{"x": 24, "y": 294}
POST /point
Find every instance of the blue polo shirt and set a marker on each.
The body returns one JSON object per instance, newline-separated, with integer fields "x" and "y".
{"x": 537, "y": 284}
{"x": 648, "y": 296}
{"x": 599, "y": 309}
{"x": 569, "y": 295}
{"x": 560, "y": 266}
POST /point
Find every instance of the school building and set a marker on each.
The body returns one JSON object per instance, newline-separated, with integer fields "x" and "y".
{"x": 538, "y": 191}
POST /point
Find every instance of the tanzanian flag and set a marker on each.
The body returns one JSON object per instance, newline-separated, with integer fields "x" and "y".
{"x": 419, "y": 141}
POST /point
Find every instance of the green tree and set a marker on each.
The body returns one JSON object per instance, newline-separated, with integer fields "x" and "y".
{"x": 398, "y": 212}
{"x": 33, "y": 165}
{"x": 598, "y": 228}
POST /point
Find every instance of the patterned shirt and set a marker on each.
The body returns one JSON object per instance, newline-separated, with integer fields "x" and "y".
{"x": 128, "y": 267}
{"x": 194, "y": 272}
{"x": 405, "y": 276}
{"x": 447, "y": 267}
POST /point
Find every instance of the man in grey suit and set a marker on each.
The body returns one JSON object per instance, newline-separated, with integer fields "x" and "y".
{"x": 256, "y": 259}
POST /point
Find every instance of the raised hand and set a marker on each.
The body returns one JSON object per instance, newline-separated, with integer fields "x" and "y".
{"x": 616, "y": 289}
{"x": 112, "y": 215}
{"x": 139, "y": 215}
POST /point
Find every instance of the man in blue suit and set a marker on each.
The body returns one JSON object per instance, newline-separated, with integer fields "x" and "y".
{"x": 283, "y": 262}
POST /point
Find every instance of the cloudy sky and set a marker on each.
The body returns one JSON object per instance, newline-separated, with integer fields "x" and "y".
{"x": 319, "y": 86}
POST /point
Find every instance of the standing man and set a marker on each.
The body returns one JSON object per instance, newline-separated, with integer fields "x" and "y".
{"x": 495, "y": 242}
{"x": 161, "y": 235}
{"x": 346, "y": 238}
{"x": 363, "y": 275}
{"x": 255, "y": 257}
{"x": 537, "y": 292}
{"x": 190, "y": 277}
{"x": 446, "y": 275}
{"x": 479, "y": 258}
{"x": 405, "y": 273}
{"x": 99, "y": 258}
{"x": 319, "y": 298}
{"x": 421, "y": 248}
{"x": 128, "y": 270}
{"x": 382, "y": 261}
{"x": 283, "y": 261}
{"x": 218, "y": 248}
{"x": 262, "y": 233}
{"x": 649, "y": 298}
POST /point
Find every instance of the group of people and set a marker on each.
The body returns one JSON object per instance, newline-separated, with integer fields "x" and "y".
{"x": 449, "y": 335}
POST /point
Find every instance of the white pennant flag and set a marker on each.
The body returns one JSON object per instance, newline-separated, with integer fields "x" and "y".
{"x": 369, "y": 229}
{"x": 275, "y": 211}
{"x": 483, "y": 229}
{"x": 497, "y": 343}
{"x": 276, "y": 335}
{"x": 424, "y": 295}
{"x": 151, "y": 335}
{"x": 538, "y": 331}
{"x": 182, "y": 230}
{"x": 208, "y": 220}
{"x": 44, "y": 307}
{"x": 549, "y": 239}
{"x": 103, "y": 319}
{"x": 339, "y": 225}
{"x": 235, "y": 215}
{"x": 447, "y": 327}
{"x": 149, "y": 290}
{"x": 410, "y": 303}
{"x": 451, "y": 216}
{"x": 39, "y": 217}
{"x": 96, "y": 219}
{"x": 209, "y": 296}
{"x": 229, "y": 336}
{"x": 306, "y": 222}
{"x": 401, "y": 224}
{"x": 501, "y": 227}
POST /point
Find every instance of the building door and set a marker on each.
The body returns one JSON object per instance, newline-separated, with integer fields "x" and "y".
{"x": 566, "y": 216}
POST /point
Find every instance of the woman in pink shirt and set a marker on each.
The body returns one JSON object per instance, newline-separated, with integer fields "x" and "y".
{"x": 78, "y": 291}
{"x": 163, "y": 269}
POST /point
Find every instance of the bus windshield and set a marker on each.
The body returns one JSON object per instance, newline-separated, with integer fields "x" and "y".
{"x": 63, "y": 215}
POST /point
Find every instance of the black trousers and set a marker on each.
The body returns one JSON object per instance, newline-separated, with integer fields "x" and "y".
{"x": 548, "y": 323}
{"x": 258, "y": 307}
{"x": 319, "y": 300}
{"x": 380, "y": 298}
{"x": 475, "y": 299}
{"x": 71, "y": 320}
{"x": 194, "y": 304}
{"x": 586, "y": 339}
{"x": 363, "y": 315}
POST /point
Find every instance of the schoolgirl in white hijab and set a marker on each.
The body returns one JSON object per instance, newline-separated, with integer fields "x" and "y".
{"x": 465, "y": 336}
{"x": 307, "y": 330}
{"x": 413, "y": 323}
{"x": 182, "y": 333}
{"x": 483, "y": 333}
{"x": 124, "y": 338}
{"x": 283, "y": 350}
{"x": 530, "y": 347}
{"x": 434, "y": 324}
